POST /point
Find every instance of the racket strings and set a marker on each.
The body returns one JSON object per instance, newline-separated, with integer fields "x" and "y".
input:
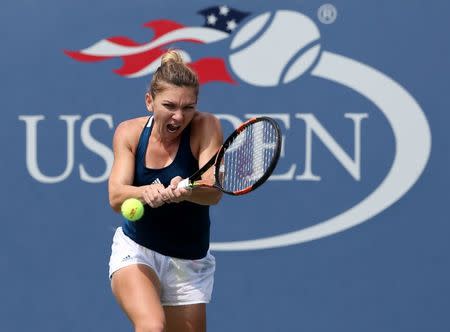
{"x": 249, "y": 156}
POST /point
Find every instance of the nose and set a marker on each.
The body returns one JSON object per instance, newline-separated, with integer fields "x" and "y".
{"x": 178, "y": 115}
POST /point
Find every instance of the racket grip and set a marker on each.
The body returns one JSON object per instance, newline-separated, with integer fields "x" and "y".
{"x": 184, "y": 184}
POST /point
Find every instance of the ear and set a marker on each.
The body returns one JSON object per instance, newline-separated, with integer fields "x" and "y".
{"x": 149, "y": 102}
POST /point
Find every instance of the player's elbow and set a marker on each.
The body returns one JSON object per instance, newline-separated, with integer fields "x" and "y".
{"x": 114, "y": 201}
{"x": 114, "y": 205}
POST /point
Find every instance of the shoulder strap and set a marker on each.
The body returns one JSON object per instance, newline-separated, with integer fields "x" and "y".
{"x": 143, "y": 139}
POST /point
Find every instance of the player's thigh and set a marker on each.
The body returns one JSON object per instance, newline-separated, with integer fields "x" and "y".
{"x": 136, "y": 288}
{"x": 186, "y": 318}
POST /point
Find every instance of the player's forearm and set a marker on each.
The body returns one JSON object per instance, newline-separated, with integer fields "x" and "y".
{"x": 119, "y": 193}
{"x": 205, "y": 196}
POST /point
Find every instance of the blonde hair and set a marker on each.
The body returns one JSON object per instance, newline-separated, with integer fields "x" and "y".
{"x": 173, "y": 70}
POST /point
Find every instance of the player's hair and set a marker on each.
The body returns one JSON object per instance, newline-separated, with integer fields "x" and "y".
{"x": 173, "y": 70}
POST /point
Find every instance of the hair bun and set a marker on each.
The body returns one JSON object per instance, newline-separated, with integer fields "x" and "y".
{"x": 171, "y": 56}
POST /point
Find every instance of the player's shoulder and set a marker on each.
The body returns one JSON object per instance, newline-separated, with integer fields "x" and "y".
{"x": 204, "y": 121}
{"x": 131, "y": 125}
{"x": 128, "y": 131}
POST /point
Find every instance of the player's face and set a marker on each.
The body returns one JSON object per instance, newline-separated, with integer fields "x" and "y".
{"x": 173, "y": 109}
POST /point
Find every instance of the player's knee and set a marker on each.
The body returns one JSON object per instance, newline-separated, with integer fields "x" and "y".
{"x": 149, "y": 326}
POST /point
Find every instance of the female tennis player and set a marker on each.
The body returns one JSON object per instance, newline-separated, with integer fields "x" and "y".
{"x": 161, "y": 269}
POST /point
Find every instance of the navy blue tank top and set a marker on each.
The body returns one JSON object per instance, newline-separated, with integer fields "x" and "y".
{"x": 177, "y": 229}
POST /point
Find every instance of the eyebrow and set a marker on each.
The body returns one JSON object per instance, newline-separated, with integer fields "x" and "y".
{"x": 172, "y": 102}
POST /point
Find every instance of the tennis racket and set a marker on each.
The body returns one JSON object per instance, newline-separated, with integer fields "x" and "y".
{"x": 245, "y": 160}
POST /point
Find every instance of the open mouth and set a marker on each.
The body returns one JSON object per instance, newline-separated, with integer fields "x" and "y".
{"x": 171, "y": 128}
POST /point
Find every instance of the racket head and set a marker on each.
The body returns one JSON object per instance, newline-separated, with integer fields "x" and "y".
{"x": 248, "y": 156}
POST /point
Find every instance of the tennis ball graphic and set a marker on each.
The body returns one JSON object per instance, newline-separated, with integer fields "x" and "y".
{"x": 269, "y": 52}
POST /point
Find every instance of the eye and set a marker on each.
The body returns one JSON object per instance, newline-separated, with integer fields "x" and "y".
{"x": 189, "y": 108}
{"x": 169, "y": 106}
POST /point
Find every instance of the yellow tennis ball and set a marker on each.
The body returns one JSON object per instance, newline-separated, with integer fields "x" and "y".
{"x": 132, "y": 209}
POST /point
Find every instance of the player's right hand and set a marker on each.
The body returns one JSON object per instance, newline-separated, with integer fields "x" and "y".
{"x": 175, "y": 194}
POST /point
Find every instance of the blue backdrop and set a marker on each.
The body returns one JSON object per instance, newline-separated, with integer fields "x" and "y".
{"x": 351, "y": 232}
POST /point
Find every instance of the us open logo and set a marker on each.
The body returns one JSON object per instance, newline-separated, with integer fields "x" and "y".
{"x": 254, "y": 44}
{"x": 263, "y": 55}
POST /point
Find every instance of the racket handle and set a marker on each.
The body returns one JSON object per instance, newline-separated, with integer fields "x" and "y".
{"x": 184, "y": 184}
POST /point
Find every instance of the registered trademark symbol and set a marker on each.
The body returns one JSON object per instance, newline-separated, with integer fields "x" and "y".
{"x": 327, "y": 13}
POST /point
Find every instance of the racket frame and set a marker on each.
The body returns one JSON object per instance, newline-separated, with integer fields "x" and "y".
{"x": 195, "y": 179}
